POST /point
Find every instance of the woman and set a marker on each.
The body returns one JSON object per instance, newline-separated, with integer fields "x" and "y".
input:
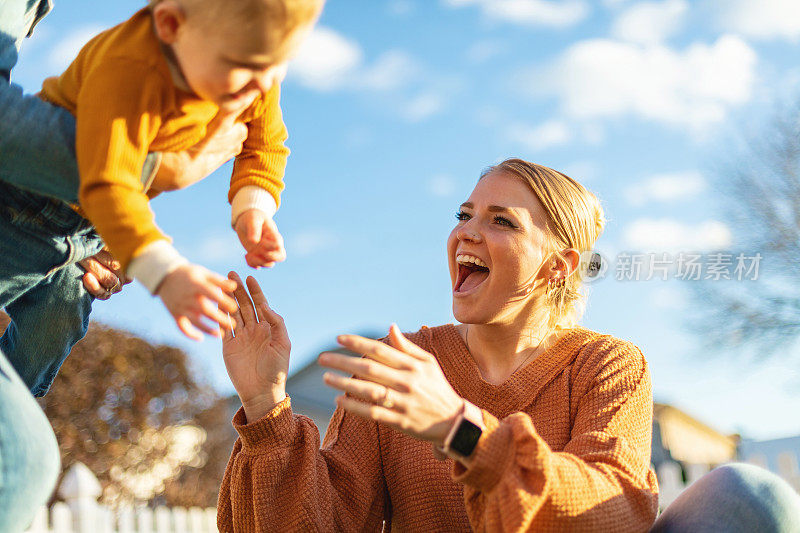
{"x": 514, "y": 419}
{"x": 565, "y": 413}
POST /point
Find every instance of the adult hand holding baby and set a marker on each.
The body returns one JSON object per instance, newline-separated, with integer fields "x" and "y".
{"x": 223, "y": 141}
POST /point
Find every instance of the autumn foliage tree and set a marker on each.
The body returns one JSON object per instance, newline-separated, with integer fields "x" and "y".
{"x": 139, "y": 416}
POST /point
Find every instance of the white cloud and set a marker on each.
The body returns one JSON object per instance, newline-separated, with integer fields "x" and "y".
{"x": 650, "y": 22}
{"x": 400, "y": 8}
{"x": 326, "y": 59}
{"x": 483, "y": 51}
{"x": 442, "y": 185}
{"x": 605, "y": 78}
{"x": 670, "y": 235}
{"x": 548, "y": 13}
{"x": 389, "y": 71}
{"x": 548, "y": 135}
{"x": 761, "y": 19}
{"x": 422, "y": 106}
{"x": 310, "y": 242}
{"x": 64, "y": 51}
{"x": 666, "y": 187}
{"x": 553, "y": 133}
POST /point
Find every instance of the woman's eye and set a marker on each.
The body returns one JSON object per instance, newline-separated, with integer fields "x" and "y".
{"x": 462, "y": 216}
{"x": 504, "y": 221}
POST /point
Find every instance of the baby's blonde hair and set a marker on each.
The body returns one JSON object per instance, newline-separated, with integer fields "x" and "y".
{"x": 575, "y": 220}
{"x": 283, "y": 16}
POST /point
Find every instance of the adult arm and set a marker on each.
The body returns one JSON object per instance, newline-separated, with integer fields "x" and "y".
{"x": 278, "y": 478}
{"x": 600, "y": 481}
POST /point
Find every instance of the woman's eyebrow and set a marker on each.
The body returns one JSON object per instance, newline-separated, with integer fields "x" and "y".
{"x": 468, "y": 205}
{"x": 499, "y": 209}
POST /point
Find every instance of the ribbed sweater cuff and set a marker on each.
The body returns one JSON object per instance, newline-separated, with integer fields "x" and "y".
{"x": 270, "y": 430}
{"x": 252, "y": 197}
{"x": 491, "y": 458}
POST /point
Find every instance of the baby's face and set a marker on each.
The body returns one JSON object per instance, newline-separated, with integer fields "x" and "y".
{"x": 232, "y": 66}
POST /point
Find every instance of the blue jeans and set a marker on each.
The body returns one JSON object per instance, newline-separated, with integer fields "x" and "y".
{"x": 734, "y": 498}
{"x": 29, "y": 457}
{"x": 41, "y": 288}
{"x": 37, "y": 139}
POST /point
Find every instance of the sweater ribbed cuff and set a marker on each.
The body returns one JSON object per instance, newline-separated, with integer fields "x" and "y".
{"x": 252, "y": 197}
{"x": 491, "y": 458}
{"x": 270, "y": 430}
{"x": 153, "y": 263}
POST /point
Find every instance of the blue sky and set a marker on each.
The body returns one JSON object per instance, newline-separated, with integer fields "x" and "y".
{"x": 395, "y": 106}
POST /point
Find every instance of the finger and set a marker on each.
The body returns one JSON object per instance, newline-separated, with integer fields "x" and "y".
{"x": 197, "y": 321}
{"x": 253, "y": 234}
{"x": 399, "y": 341}
{"x": 213, "y": 312}
{"x": 109, "y": 262}
{"x": 93, "y": 286}
{"x": 366, "y": 369}
{"x": 364, "y": 390}
{"x": 259, "y": 300}
{"x": 371, "y": 412}
{"x": 185, "y": 325}
{"x": 265, "y": 312}
{"x": 224, "y": 300}
{"x": 235, "y": 319}
{"x": 105, "y": 277}
{"x": 376, "y": 350}
{"x": 227, "y": 333}
{"x": 227, "y": 285}
{"x": 246, "y": 311}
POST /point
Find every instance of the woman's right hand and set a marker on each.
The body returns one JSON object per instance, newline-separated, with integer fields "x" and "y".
{"x": 256, "y": 353}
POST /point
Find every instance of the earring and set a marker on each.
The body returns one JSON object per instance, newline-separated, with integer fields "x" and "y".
{"x": 553, "y": 283}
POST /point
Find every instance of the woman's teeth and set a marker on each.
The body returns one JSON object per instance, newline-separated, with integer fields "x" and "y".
{"x": 465, "y": 259}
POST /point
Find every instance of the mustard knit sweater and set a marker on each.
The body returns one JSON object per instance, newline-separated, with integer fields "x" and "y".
{"x": 567, "y": 448}
{"x": 125, "y": 103}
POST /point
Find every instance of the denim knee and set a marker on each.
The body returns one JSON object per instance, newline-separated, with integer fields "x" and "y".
{"x": 763, "y": 493}
{"x": 734, "y": 498}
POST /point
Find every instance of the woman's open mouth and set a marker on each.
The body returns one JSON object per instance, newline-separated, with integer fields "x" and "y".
{"x": 472, "y": 271}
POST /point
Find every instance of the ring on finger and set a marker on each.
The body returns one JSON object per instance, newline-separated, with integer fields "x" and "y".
{"x": 385, "y": 400}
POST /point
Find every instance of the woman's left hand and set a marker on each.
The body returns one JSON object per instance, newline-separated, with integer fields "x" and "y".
{"x": 401, "y": 386}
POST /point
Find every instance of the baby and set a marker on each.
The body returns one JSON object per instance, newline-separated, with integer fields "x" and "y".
{"x": 154, "y": 84}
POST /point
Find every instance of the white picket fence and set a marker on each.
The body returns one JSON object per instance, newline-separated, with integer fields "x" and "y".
{"x": 81, "y": 513}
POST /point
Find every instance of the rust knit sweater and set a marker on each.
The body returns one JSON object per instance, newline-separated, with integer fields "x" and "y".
{"x": 567, "y": 448}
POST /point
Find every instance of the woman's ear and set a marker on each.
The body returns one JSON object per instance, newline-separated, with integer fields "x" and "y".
{"x": 570, "y": 259}
{"x": 168, "y": 17}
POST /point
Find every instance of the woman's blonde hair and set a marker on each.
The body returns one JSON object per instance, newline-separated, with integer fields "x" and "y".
{"x": 575, "y": 220}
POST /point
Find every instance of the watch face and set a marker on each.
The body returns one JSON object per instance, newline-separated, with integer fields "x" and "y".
{"x": 466, "y": 438}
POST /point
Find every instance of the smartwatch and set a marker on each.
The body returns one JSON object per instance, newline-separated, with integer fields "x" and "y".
{"x": 465, "y": 433}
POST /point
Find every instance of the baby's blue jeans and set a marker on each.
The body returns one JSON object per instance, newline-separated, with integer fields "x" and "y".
{"x": 41, "y": 288}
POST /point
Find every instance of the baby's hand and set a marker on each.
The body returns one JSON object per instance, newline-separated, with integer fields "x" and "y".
{"x": 259, "y": 236}
{"x": 191, "y": 293}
